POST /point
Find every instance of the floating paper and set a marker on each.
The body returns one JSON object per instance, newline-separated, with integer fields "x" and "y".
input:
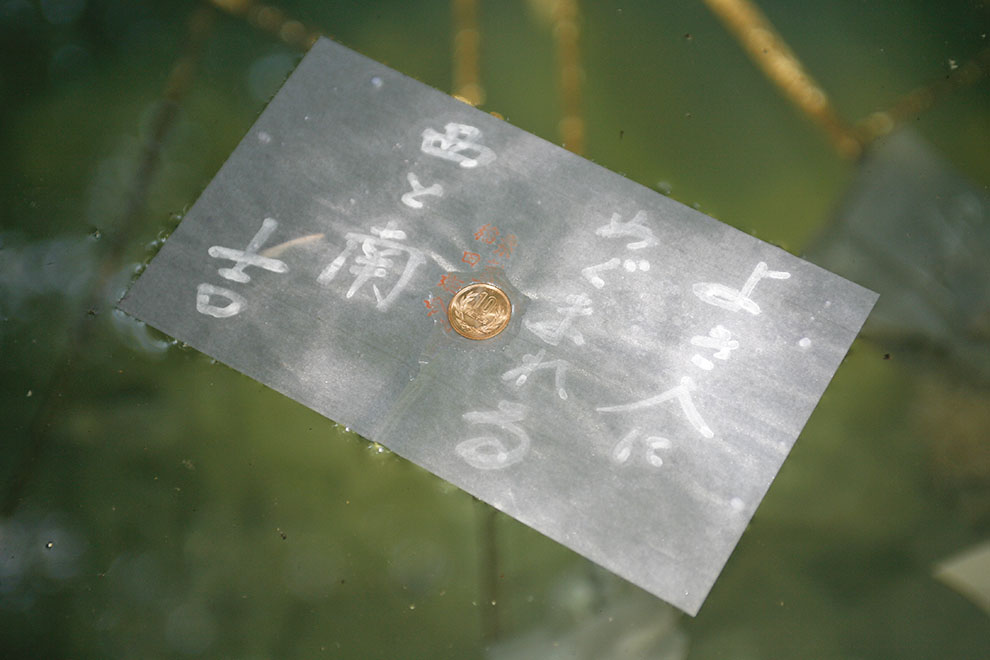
{"x": 656, "y": 371}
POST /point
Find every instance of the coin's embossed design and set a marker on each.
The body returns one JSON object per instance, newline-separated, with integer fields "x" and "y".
{"x": 479, "y": 311}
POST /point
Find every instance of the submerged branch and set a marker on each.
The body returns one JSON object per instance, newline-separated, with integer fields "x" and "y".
{"x": 179, "y": 82}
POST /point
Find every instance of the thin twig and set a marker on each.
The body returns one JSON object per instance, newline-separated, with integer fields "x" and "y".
{"x": 488, "y": 571}
{"x": 273, "y": 20}
{"x": 770, "y": 52}
{"x": 570, "y": 77}
{"x": 909, "y": 106}
{"x": 467, "y": 47}
{"x": 276, "y": 250}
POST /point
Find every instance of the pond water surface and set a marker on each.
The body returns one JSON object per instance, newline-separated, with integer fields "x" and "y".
{"x": 157, "y": 504}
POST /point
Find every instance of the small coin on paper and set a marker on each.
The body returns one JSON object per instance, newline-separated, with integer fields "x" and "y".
{"x": 479, "y": 311}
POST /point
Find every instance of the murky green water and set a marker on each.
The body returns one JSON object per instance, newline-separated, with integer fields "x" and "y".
{"x": 159, "y": 505}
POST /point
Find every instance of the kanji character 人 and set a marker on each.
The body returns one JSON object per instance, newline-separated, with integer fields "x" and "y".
{"x": 682, "y": 393}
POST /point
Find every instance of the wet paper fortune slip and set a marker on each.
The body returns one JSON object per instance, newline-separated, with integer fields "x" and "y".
{"x": 657, "y": 368}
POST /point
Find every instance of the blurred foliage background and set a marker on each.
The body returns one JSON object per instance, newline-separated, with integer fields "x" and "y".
{"x": 158, "y": 505}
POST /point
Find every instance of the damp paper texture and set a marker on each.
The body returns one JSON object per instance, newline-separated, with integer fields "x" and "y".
{"x": 658, "y": 367}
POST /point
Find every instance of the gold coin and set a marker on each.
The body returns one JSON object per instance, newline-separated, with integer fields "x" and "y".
{"x": 479, "y": 311}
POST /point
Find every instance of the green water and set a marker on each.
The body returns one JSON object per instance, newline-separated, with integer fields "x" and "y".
{"x": 157, "y": 504}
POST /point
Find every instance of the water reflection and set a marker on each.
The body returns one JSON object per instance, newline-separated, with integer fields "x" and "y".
{"x": 599, "y": 618}
{"x": 918, "y": 233}
{"x": 59, "y": 268}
